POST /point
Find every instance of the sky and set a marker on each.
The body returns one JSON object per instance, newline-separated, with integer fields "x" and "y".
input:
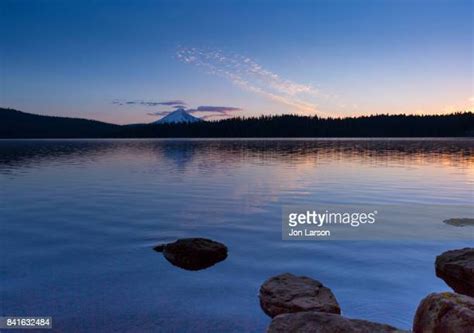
{"x": 135, "y": 61}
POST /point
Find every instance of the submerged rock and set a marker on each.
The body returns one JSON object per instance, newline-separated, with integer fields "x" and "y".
{"x": 193, "y": 253}
{"x": 287, "y": 293}
{"x": 320, "y": 322}
{"x": 460, "y": 222}
{"x": 445, "y": 312}
{"x": 456, "y": 268}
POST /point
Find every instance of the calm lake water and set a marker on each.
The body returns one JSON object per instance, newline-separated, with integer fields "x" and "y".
{"x": 79, "y": 219}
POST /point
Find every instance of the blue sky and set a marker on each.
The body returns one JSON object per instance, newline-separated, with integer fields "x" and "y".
{"x": 117, "y": 60}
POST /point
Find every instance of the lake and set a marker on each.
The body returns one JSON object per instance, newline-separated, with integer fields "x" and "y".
{"x": 79, "y": 220}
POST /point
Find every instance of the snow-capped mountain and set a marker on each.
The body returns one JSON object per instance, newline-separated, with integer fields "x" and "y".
{"x": 178, "y": 116}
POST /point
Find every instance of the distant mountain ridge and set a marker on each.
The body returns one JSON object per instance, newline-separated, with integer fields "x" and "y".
{"x": 17, "y": 124}
{"x": 178, "y": 116}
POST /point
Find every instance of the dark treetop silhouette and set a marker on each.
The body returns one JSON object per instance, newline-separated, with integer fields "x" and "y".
{"x": 17, "y": 124}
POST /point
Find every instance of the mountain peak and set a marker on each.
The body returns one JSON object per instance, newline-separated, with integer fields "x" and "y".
{"x": 178, "y": 116}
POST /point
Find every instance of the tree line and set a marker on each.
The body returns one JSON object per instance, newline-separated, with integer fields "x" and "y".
{"x": 457, "y": 124}
{"x": 17, "y": 124}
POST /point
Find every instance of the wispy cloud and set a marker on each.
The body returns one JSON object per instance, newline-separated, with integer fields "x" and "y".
{"x": 251, "y": 76}
{"x": 216, "y": 109}
{"x": 210, "y": 112}
{"x": 159, "y": 113}
{"x": 173, "y": 103}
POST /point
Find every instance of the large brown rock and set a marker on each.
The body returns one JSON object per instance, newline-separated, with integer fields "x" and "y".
{"x": 320, "y": 322}
{"x": 287, "y": 293}
{"x": 193, "y": 253}
{"x": 445, "y": 313}
{"x": 456, "y": 268}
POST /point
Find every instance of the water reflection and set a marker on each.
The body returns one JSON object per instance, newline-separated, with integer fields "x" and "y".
{"x": 79, "y": 217}
{"x": 182, "y": 153}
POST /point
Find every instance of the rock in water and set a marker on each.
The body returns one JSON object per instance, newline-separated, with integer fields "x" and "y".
{"x": 460, "y": 222}
{"x": 193, "y": 253}
{"x": 287, "y": 293}
{"x": 445, "y": 312}
{"x": 456, "y": 268}
{"x": 320, "y": 322}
